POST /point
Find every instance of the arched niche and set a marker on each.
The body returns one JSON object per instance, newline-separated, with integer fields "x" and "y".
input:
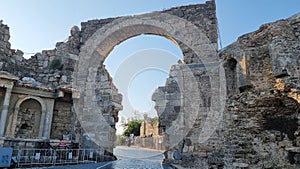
{"x": 230, "y": 67}
{"x": 24, "y": 106}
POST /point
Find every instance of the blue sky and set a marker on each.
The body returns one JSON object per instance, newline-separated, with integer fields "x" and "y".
{"x": 36, "y": 25}
{"x": 39, "y": 24}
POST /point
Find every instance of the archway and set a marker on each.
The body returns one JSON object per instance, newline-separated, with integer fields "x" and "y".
{"x": 195, "y": 44}
{"x": 138, "y": 66}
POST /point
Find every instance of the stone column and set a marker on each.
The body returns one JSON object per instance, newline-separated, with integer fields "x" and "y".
{"x": 5, "y": 110}
{"x": 10, "y": 132}
{"x": 41, "y": 129}
{"x": 47, "y": 127}
{"x": 6, "y": 81}
{"x": 48, "y": 118}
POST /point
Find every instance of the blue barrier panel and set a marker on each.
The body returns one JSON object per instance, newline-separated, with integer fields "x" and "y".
{"x": 5, "y": 156}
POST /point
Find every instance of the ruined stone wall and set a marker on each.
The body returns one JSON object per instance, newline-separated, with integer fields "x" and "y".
{"x": 53, "y": 69}
{"x": 149, "y": 128}
{"x": 8, "y": 57}
{"x": 50, "y": 69}
{"x": 266, "y": 54}
{"x": 183, "y": 106}
{"x": 108, "y": 98}
{"x": 4, "y": 43}
{"x": 63, "y": 121}
{"x": 260, "y": 126}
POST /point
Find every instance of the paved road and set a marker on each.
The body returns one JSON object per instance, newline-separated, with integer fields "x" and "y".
{"x": 128, "y": 158}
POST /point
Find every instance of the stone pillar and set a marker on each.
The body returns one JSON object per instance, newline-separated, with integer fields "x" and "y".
{"x": 7, "y": 81}
{"x": 5, "y": 110}
{"x": 47, "y": 127}
{"x": 41, "y": 129}
{"x": 48, "y": 118}
{"x": 10, "y": 132}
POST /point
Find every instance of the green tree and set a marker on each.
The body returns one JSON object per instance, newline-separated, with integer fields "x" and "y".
{"x": 133, "y": 127}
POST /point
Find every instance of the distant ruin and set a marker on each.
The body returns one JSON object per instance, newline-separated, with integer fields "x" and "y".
{"x": 245, "y": 97}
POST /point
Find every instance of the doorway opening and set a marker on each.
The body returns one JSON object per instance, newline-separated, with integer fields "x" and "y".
{"x": 138, "y": 66}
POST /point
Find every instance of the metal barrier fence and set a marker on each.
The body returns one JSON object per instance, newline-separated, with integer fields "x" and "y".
{"x": 51, "y": 157}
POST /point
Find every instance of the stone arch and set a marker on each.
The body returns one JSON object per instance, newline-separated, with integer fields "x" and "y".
{"x": 172, "y": 27}
{"x": 102, "y": 42}
{"x": 17, "y": 110}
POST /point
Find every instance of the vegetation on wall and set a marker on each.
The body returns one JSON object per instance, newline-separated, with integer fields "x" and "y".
{"x": 56, "y": 64}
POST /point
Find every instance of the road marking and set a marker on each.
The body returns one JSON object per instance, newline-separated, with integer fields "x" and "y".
{"x": 104, "y": 165}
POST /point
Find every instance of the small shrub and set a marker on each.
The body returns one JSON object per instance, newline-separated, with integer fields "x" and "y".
{"x": 56, "y": 64}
